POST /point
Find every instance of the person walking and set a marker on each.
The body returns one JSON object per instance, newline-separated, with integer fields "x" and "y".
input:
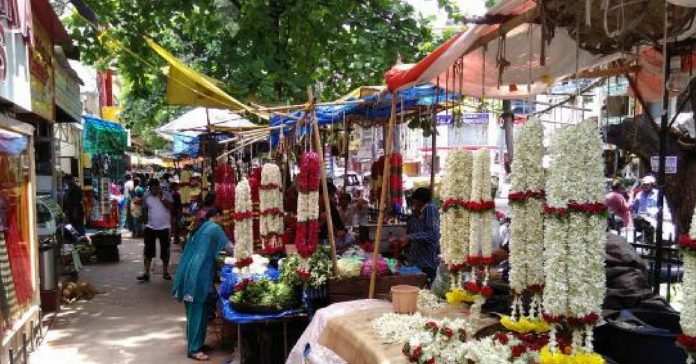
{"x": 157, "y": 205}
{"x": 193, "y": 284}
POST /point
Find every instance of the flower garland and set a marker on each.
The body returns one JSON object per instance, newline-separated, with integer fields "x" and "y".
{"x": 687, "y": 320}
{"x": 480, "y": 255}
{"x": 455, "y": 213}
{"x": 307, "y": 233}
{"x": 427, "y": 301}
{"x": 225, "y": 196}
{"x": 574, "y": 241}
{"x": 527, "y": 226}
{"x": 243, "y": 232}
{"x": 395, "y": 328}
{"x": 271, "y": 209}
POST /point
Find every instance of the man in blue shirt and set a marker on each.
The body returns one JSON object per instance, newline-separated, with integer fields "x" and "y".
{"x": 646, "y": 201}
{"x": 423, "y": 237}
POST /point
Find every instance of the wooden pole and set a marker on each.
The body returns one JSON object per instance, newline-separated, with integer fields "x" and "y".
{"x": 383, "y": 196}
{"x": 327, "y": 204}
{"x": 346, "y": 159}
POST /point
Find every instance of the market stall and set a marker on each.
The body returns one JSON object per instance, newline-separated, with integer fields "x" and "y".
{"x": 105, "y": 143}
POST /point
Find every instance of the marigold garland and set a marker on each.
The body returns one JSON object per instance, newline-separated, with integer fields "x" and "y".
{"x": 547, "y": 356}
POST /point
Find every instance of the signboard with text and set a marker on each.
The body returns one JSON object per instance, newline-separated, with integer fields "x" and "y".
{"x": 67, "y": 89}
{"x": 41, "y": 67}
{"x": 14, "y": 59}
{"x": 670, "y": 164}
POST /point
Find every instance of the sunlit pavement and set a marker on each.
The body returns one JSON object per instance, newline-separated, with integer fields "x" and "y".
{"x": 128, "y": 322}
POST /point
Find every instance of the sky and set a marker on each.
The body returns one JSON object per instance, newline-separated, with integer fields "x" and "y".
{"x": 430, "y": 8}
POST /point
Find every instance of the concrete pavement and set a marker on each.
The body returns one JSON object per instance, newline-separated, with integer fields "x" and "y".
{"x": 128, "y": 322}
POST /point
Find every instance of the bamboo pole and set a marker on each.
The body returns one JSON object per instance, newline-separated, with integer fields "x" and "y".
{"x": 383, "y": 196}
{"x": 327, "y": 204}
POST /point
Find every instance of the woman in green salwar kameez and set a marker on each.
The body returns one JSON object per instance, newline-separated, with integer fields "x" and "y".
{"x": 194, "y": 280}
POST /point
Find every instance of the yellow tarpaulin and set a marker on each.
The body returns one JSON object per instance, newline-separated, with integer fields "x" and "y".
{"x": 189, "y": 87}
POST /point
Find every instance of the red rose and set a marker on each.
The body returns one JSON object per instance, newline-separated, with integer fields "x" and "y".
{"x": 446, "y": 331}
{"x": 487, "y": 260}
{"x": 472, "y": 287}
{"x": 486, "y": 291}
{"x": 473, "y": 260}
{"x": 518, "y": 350}
{"x": 502, "y": 338}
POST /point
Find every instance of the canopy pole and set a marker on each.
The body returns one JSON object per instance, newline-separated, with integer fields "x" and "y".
{"x": 327, "y": 204}
{"x": 212, "y": 150}
{"x": 383, "y": 196}
{"x": 346, "y": 158}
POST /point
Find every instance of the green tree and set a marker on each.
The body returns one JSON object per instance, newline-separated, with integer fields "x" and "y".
{"x": 264, "y": 51}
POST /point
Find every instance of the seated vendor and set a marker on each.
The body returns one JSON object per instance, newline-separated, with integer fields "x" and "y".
{"x": 342, "y": 238}
{"x": 423, "y": 233}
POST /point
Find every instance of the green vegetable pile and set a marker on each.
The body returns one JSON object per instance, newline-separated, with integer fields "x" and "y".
{"x": 265, "y": 292}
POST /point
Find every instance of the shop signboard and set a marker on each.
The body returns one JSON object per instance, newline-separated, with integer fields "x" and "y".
{"x": 465, "y": 118}
{"x": 67, "y": 89}
{"x": 41, "y": 67}
{"x": 14, "y": 59}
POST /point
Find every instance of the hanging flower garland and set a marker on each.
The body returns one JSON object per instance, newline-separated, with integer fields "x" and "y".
{"x": 224, "y": 196}
{"x": 480, "y": 255}
{"x": 307, "y": 233}
{"x": 455, "y": 214}
{"x": 687, "y": 340}
{"x": 527, "y": 226}
{"x": 243, "y": 234}
{"x": 396, "y": 190}
{"x": 271, "y": 209}
{"x": 574, "y": 241}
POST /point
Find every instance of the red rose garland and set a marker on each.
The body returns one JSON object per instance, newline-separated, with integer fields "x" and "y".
{"x": 307, "y": 234}
{"x": 224, "y": 196}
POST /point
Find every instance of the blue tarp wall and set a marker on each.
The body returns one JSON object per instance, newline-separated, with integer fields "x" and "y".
{"x": 372, "y": 107}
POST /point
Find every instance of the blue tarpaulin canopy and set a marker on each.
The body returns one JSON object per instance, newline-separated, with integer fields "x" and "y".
{"x": 367, "y": 110}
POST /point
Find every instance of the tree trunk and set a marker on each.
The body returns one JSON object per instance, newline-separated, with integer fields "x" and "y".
{"x": 639, "y": 137}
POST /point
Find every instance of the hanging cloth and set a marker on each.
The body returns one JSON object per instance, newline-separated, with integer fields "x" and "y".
{"x": 19, "y": 258}
{"x": 10, "y": 308}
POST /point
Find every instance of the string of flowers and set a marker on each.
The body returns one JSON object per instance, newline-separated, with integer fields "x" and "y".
{"x": 271, "y": 209}
{"x": 224, "y": 196}
{"x": 243, "y": 232}
{"x": 527, "y": 226}
{"x": 455, "y": 217}
{"x": 480, "y": 255}
{"x": 307, "y": 231}
{"x": 687, "y": 320}
{"x": 574, "y": 242}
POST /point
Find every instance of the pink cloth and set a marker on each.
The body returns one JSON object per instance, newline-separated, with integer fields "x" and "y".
{"x": 617, "y": 204}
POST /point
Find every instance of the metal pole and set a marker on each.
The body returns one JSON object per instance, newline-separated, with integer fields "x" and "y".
{"x": 664, "y": 119}
{"x": 383, "y": 197}
{"x": 508, "y": 117}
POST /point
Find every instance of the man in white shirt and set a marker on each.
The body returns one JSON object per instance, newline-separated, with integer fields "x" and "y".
{"x": 128, "y": 186}
{"x": 157, "y": 205}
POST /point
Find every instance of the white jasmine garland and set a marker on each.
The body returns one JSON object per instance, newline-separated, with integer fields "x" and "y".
{"x": 427, "y": 301}
{"x": 574, "y": 242}
{"x": 527, "y": 226}
{"x": 455, "y": 221}
{"x": 243, "y": 231}
{"x": 270, "y": 205}
{"x": 477, "y": 181}
{"x": 397, "y": 328}
{"x": 687, "y": 318}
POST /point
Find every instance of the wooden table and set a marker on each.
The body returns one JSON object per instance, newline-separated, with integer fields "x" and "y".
{"x": 352, "y": 337}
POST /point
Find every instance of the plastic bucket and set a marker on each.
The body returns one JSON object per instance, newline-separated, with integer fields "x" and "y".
{"x": 404, "y": 298}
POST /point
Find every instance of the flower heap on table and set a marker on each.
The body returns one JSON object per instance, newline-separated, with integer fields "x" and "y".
{"x": 225, "y": 196}
{"x": 307, "y": 231}
{"x": 454, "y": 229}
{"x": 574, "y": 242}
{"x": 271, "y": 209}
{"x": 480, "y": 252}
{"x": 243, "y": 233}
{"x": 527, "y": 227}
{"x": 687, "y": 340}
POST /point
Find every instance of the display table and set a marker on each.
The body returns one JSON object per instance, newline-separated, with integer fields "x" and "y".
{"x": 348, "y": 332}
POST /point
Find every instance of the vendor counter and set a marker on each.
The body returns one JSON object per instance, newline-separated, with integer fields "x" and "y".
{"x": 343, "y": 333}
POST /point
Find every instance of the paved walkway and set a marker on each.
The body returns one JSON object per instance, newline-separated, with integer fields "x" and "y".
{"x": 129, "y": 322}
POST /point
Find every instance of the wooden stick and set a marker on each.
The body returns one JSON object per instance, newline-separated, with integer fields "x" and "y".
{"x": 327, "y": 204}
{"x": 383, "y": 196}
